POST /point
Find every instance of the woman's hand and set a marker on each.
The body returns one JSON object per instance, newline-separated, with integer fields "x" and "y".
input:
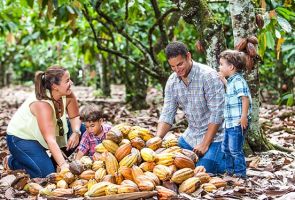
{"x": 73, "y": 141}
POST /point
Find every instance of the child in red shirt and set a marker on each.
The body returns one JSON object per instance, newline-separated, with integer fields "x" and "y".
{"x": 95, "y": 132}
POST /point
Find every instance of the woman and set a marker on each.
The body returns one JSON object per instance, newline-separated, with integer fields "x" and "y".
{"x": 40, "y": 124}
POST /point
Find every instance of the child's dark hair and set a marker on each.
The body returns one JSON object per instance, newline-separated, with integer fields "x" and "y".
{"x": 91, "y": 113}
{"x": 236, "y": 58}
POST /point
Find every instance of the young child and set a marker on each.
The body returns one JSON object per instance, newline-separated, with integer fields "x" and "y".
{"x": 95, "y": 132}
{"x": 236, "y": 112}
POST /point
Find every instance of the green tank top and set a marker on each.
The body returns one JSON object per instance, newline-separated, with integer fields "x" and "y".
{"x": 24, "y": 124}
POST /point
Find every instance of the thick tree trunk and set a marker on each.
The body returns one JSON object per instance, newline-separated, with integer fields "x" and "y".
{"x": 197, "y": 12}
{"x": 243, "y": 23}
{"x": 104, "y": 81}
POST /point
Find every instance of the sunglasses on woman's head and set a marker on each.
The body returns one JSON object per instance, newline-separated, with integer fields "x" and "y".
{"x": 60, "y": 127}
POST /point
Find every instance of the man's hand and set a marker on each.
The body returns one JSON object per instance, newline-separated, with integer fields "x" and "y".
{"x": 201, "y": 149}
{"x": 73, "y": 141}
{"x": 244, "y": 121}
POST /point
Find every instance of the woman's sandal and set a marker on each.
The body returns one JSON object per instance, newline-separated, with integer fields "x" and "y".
{"x": 5, "y": 163}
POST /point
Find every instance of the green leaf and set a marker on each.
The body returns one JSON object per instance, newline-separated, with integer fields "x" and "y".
{"x": 30, "y": 3}
{"x": 284, "y": 24}
{"x": 290, "y": 101}
{"x": 270, "y": 42}
{"x": 287, "y": 14}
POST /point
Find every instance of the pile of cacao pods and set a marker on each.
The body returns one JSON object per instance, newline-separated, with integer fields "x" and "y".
{"x": 131, "y": 159}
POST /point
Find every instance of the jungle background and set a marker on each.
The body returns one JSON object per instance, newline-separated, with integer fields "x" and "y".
{"x": 114, "y": 51}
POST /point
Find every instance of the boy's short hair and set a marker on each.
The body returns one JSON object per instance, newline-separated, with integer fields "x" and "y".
{"x": 91, "y": 113}
{"x": 234, "y": 57}
{"x": 175, "y": 49}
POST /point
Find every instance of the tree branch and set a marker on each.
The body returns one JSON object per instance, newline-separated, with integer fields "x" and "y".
{"x": 159, "y": 20}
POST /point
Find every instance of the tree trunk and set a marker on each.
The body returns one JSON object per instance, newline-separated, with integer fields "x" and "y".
{"x": 243, "y": 23}
{"x": 2, "y": 75}
{"x": 104, "y": 80}
{"x": 197, "y": 12}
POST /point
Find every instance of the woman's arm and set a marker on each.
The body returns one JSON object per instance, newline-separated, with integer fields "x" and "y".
{"x": 73, "y": 113}
{"x": 43, "y": 113}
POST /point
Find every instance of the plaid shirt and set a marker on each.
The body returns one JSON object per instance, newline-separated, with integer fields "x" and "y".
{"x": 202, "y": 101}
{"x": 236, "y": 88}
{"x": 89, "y": 140}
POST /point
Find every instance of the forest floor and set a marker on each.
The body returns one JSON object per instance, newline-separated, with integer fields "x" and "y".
{"x": 271, "y": 175}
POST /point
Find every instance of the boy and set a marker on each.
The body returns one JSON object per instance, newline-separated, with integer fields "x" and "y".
{"x": 95, "y": 132}
{"x": 237, "y": 110}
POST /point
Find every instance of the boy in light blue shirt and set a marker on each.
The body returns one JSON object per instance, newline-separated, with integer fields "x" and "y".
{"x": 237, "y": 110}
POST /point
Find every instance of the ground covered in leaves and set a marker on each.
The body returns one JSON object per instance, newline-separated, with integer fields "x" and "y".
{"x": 271, "y": 175}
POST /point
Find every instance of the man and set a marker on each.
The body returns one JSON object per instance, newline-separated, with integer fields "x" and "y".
{"x": 197, "y": 89}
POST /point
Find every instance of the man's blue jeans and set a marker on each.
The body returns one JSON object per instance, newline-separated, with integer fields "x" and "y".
{"x": 31, "y": 156}
{"x": 213, "y": 160}
{"x": 232, "y": 147}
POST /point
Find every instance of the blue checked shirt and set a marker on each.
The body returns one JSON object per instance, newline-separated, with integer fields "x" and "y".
{"x": 202, "y": 101}
{"x": 236, "y": 88}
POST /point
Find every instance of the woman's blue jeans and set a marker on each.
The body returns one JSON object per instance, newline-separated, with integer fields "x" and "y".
{"x": 233, "y": 149}
{"x": 31, "y": 156}
{"x": 213, "y": 160}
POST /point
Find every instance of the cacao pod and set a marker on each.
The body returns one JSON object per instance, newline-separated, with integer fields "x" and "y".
{"x": 154, "y": 143}
{"x": 190, "y": 185}
{"x": 259, "y": 21}
{"x": 241, "y": 45}
{"x": 199, "y": 46}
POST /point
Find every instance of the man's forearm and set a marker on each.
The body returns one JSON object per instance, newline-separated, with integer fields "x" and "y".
{"x": 211, "y": 132}
{"x": 162, "y": 129}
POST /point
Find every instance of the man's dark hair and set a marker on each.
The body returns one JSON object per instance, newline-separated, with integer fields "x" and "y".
{"x": 175, "y": 49}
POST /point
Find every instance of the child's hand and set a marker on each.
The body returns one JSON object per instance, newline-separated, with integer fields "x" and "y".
{"x": 222, "y": 78}
{"x": 244, "y": 121}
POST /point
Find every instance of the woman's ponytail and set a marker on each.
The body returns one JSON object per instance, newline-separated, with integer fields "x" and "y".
{"x": 40, "y": 88}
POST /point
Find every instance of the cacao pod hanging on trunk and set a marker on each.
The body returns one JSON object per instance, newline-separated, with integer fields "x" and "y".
{"x": 199, "y": 46}
{"x": 259, "y": 21}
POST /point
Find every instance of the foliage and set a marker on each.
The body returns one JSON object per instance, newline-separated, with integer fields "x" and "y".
{"x": 277, "y": 48}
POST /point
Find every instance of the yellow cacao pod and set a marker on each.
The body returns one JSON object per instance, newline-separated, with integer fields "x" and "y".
{"x": 208, "y": 187}
{"x": 111, "y": 163}
{"x": 110, "y": 146}
{"x": 154, "y": 143}
{"x": 97, "y": 190}
{"x": 80, "y": 190}
{"x": 152, "y": 176}
{"x": 112, "y": 189}
{"x": 78, "y": 182}
{"x": 97, "y": 165}
{"x": 145, "y": 134}
{"x": 165, "y": 159}
{"x": 59, "y": 192}
{"x": 62, "y": 184}
{"x": 88, "y": 174}
{"x": 218, "y": 182}
{"x": 100, "y": 148}
{"x": 190, "y": 185}
{"x": 127, "y": 189}
{"x": 129, "y": 160}
{"x": 170, "y": 142}
{"x": 148, "y": 154}
{"x": 147, "y": 166}
{"x": 100, "y": 174}
{"x": 86, "y": 162}
{"x": 181, "y": 175}
{"x": 162, "y": 172}
{"x": 138, "y": 143}
{"x": 203, "y": 176}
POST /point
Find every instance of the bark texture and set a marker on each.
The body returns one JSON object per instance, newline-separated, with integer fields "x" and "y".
{"x": 243, "y": 23}
{"x": 197, "y": 12}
